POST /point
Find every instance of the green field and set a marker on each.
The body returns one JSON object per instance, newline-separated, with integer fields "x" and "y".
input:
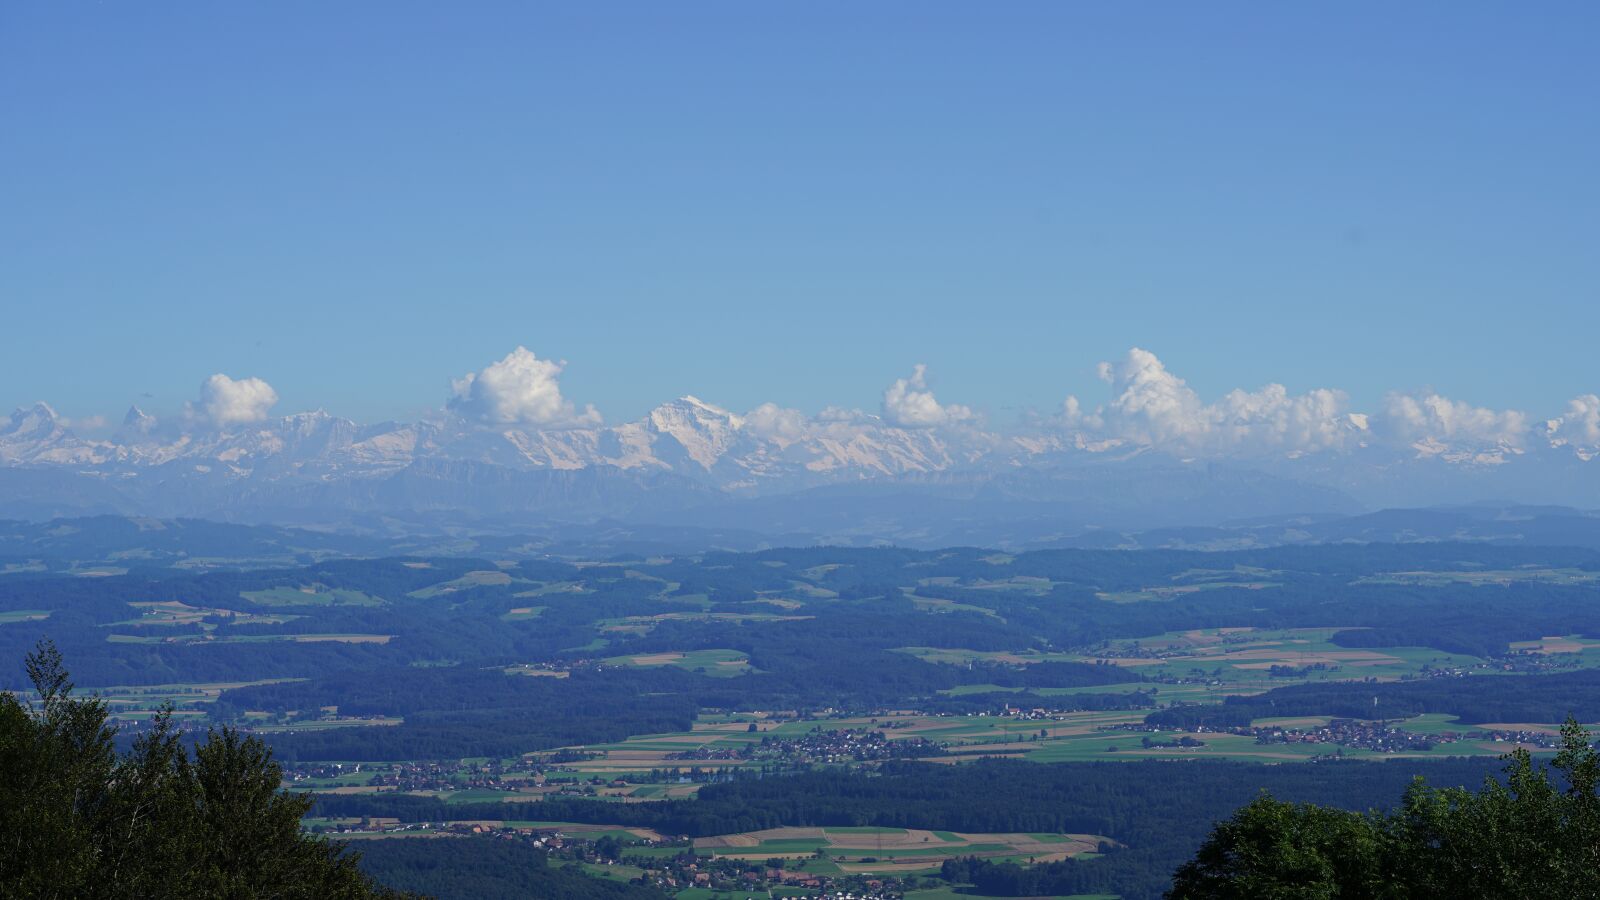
{"x": 139, "y": 702}
{"x": 1564, "y": 650}
{"x": 207, "y": 637}
{"x": 486, "y": 578}
{"x": 936, "y": 605}
{"x": 1484, "y": 576}
{"x": 1206, "y": 665}
{"x": 717, "y": 663}
{"x": 1247, "y": 658}
{"x": 522, "y": 613}
{"x": 325, "y": 724}
{"x": 310, "y": 595}
{"x": 884, "y": 851}
{"x": 1171, "y": 592}
{"x": 1064, "y": 737}
{"x": 23, "y": 615}
{"x": 635, "y": 626}
{"x": 172, "y": 612}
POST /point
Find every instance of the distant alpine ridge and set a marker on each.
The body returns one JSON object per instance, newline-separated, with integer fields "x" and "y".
{"x": 690, "y": 462}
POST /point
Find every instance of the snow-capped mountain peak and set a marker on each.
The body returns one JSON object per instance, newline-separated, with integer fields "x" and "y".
{"x": 36, "y": 421}
{"x": 138, "y": 420}
{"x": 704, "y": 432}
{"x": 697, "y": 445}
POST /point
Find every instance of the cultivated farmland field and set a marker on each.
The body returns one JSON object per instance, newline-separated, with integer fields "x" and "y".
{"x": 880, "y": 851}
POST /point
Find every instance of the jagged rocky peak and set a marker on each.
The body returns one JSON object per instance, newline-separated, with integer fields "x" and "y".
{"x": 692, "y": 408}
{"x": 37, "y": 433}
{"x": 317, "y": 421}
{"x": 37, "y": 420}
{"x": 704, "y": 431}
{"x": 137, "y": 421}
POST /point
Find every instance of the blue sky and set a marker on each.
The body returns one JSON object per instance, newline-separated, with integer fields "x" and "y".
{"x": 796, "y": 203}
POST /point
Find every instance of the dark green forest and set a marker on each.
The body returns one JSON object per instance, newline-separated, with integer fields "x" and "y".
{"x": 1534, "y": 834}
{"x": 486, "y": 869}
{"x": 78, "y": 820}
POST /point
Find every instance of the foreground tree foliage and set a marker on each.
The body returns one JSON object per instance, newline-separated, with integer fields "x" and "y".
{"x": 1530, "y": 836}
{"x": 77, "y": 820}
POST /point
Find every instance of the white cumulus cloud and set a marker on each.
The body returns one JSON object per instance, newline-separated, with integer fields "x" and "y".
{"x": 520, "y": 389}
{"x": 1150, "y": 406}
{"x": 770, "y": 421}
{"x": 1578, "y": 426}
{"x": 1272, "y": 417}
{"x": 86, "y": 423}
{"x": 908, "y": 403}
{"x": 226, "y": 401}
{"x": 1433, "y": 420}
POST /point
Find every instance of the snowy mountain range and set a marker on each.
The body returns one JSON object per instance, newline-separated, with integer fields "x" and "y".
{"x": 690, "y": 462}
{"x": 686, "y": 437}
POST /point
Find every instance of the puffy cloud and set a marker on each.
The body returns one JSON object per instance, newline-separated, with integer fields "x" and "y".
{"x": 225, "y": 401}
{"x": 1072, "y": 410}
{"x": 909, "y": 404}
{"x": 1435, "y": 422}
{"x": 1579, "y": 426}
{"x": 840, "y": 415}
{"x": 770, "y": 421}
{"x": 86, "y": 423}
{"x": 520, "y": 389}
{"x": 1271, "y": 417}
{"x": 1152, "y": 406}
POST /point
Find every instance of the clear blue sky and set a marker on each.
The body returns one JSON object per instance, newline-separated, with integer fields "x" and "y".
{"x": 796, "y": 202}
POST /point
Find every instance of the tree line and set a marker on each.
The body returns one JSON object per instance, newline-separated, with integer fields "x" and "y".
{"x": 1536, "y": 834}
{"x": 79, "y": 821}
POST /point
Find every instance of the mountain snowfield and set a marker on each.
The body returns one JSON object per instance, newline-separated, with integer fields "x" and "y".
{"x": 687, "y": 437}
{"x": 688, "y": 456}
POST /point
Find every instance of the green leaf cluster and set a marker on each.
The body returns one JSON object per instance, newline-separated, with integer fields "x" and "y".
{"x": 78, "y": 820}
{"x": 1534, "y": 834}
